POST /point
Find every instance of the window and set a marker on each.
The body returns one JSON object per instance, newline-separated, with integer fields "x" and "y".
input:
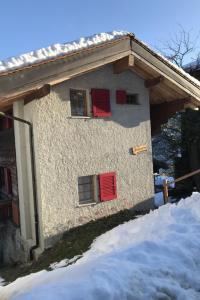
{"x": 132, "y": 99}
{"x": 122, "y": 97}
{"x": 86, "y": 189}
{"x": 103, "y": 184}
{"x": 78, "y": 102}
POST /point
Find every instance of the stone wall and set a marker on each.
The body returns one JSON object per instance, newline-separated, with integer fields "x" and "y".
{"x": 12, "y": 249}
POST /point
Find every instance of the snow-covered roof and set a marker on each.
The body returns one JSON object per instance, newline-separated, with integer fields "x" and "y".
{"x": 171, "y": 64}
{"x": 57, "y": 50}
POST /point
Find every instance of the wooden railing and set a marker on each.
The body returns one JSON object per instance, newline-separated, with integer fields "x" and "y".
{"x": 166, "y": 183}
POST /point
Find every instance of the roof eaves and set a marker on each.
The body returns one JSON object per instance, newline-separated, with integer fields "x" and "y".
{"x": 64, "y": 56}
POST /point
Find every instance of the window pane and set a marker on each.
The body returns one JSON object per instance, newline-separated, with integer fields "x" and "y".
{"x": 132, "y": 99}
{"x": 78, "y": 102}
{"x": 85, "y": 189}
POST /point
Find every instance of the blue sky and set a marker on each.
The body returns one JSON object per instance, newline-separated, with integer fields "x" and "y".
{"x": 26, "y": 25}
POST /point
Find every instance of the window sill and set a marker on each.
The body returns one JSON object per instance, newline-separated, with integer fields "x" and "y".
{"x": 79, "y": 117}
{"x": 86, "y": 204}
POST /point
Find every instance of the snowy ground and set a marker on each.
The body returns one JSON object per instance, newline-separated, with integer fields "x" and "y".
{"x": 153, "y": 257}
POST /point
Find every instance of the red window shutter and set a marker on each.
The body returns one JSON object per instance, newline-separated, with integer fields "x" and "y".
{"x": 8, "y": 181}
{"x": 15, "y": 213}
{"x": 107, "y": 186}
{"x": 100, "y": 103}
{"x": 120, "y": 97}
{"x": 7, "y": 123}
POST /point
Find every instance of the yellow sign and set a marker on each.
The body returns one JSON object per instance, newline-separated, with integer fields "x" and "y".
{"x": 139, "y": 149}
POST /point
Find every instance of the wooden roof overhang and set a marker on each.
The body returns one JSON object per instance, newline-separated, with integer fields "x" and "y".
{"x": 170, "y": 89}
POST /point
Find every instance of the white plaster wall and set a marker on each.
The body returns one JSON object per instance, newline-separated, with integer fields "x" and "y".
{"x": 70, "y": 147}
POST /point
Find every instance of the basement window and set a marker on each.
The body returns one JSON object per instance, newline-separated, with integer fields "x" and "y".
{"x": 78, "y": 102}
{"x": 132, "y": 99}
{"x": 86, "y": 189}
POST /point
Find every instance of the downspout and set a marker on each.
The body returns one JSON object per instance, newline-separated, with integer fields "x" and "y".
{"x": 34, "y": 184}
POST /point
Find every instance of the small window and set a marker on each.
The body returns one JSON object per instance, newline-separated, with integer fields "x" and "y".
{"x": 86, "y": 189}
{"x": 122, "y": 97}
{"x": 78, "y": 102}
{"x": 132, "y": 99}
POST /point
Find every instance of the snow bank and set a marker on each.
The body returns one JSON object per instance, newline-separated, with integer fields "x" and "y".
{"x": 1, "y": 282}
{"x": 159, "y": 180}
{"x": 56, "y": 50}
{"x": 153, "y": 257}
{"x": 158, "y": 199}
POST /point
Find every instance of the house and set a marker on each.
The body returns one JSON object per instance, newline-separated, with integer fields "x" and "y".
{"x": 75, "y": 140}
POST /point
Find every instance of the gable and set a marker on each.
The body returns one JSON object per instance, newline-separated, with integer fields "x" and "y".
{"x": 166, "y": 82}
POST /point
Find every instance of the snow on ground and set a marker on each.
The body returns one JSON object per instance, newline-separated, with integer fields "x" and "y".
{"x": 159, "y": 180}
{"x": 158, "y": 199}
{"x": 1, "y": 282}
{"x": 153, "y": 257}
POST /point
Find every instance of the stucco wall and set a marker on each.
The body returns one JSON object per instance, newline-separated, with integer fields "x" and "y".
{"x": 70, "y": 147}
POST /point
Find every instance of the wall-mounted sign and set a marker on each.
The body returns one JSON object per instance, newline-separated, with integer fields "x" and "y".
{"x": 139, "y": 149}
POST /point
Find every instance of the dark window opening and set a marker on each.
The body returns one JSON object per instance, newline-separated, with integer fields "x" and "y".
{"x": 78, "y": 102}
{"x": 132, "y": 99}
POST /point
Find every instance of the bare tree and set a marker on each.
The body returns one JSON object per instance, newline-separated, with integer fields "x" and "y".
{"x": 181, "y": 47}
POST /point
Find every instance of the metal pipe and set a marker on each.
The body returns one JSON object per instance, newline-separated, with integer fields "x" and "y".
{"x": 34, "y": 184}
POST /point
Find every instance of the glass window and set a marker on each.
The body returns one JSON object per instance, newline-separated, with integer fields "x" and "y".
{"x": 78, "y": 103}
{"x": 86, "y": 189}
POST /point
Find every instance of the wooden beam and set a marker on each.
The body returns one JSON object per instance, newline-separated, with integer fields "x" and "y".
{"x": 153, "y": 82}
{"x": 160, "y": 113}
{"x": 123, "y": 64}
{"x": 27, "y": 96}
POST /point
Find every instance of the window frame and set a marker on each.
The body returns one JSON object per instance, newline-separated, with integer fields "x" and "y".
{"x": 87, "y": 104}
{"x": 94, "y": 191}
{"x": 123, "y": 95}
{"x": 135, "y": 95}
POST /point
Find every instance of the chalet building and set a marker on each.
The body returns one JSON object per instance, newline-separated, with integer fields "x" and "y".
{"x": 75, "y": 135}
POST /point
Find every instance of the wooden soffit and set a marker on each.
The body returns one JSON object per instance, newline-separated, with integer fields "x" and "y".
{"x": 6, "y": 102}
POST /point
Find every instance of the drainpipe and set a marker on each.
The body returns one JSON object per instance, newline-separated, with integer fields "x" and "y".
{"x": 34, "y": 185}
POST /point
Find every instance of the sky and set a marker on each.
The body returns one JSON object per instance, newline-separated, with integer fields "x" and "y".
{"x": 27, "y": 25}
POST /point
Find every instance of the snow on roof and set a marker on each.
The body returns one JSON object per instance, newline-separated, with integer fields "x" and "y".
{"x": 56, "y": 50}
{"x": 171, "y": 64}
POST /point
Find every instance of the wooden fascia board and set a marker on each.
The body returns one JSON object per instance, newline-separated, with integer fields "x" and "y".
{"x": 57, "y": 72}
{"x": 164, "y": 70}
{"x": 27, "y": 96}
{"x": 68, "y": 55}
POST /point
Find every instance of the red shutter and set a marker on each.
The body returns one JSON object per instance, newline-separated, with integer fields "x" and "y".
{"x": 100, "y": 103}
{"x": 7, "y": 123}
{"x": 15, "y": 213}
{"x": 120, "y": 97}
{"x": 8, "y": 181}
{"x": 107, "y": 186}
